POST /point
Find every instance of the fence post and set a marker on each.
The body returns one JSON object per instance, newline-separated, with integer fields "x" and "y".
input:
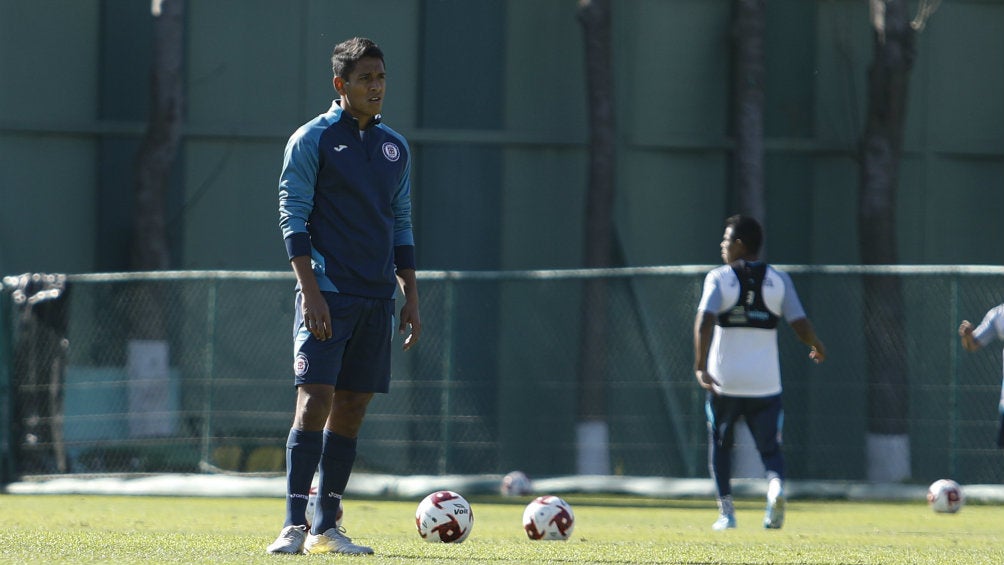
{"x": 446, "y": 392}
{"x": 206, "y": 462}
{"x": 953, "y": 385}
{"x": 7, "y": 464}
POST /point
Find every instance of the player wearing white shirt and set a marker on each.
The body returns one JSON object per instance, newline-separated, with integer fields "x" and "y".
{"x": 736, "y": 360}
{"x": 989, "y": 330}
{"x": 743, "y": 354}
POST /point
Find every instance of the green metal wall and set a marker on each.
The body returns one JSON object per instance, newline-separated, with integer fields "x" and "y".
{"x": 492, "y": 95}
{"x": 48, "y": 72}
{"x": 496, "y": 113}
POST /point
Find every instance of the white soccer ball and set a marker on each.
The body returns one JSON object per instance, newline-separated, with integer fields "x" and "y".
{"x": 516, "y": 483}
{"x": 548, "y": 518}
{"x": 312, "y": 509}
{"x": 444, "y": 516}
{"x": 945, "y": 496}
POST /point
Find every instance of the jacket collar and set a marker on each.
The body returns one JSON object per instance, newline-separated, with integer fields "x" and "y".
{"x": 348, "y": 119}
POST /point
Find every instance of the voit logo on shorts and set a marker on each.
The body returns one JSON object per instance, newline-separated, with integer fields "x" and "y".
{"x": 300, "y": 365}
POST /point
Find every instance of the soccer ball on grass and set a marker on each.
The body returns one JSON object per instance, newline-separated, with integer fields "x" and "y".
{"x": 945, "y": 496}
{"x": 312, "y": 509}
{"x": 548, "y": 518}
{"x": 516, "y": 483}
{"x": 444, "y": 516}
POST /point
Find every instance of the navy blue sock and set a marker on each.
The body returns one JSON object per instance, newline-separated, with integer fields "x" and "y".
{"x": 303, "y": 453}
{"x": 337, "y": 457}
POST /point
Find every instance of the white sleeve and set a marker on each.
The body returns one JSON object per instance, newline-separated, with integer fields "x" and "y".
{"x": 991, "y": 328}
{"x": 711, "y": 297}
{"x": 791, "y": 306}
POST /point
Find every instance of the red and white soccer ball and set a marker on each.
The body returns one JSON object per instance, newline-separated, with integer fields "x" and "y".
{"x": 945, "y": 496}
{"x": 444, "y": 516}
{"x": 312, "y": 509}
{"x": 548, "y": 518}
{"x": 516, "y": 483}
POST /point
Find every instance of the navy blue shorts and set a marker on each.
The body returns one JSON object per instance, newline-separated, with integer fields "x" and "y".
{"x": 357, "y": 355}
{"x": 763, "y": 415}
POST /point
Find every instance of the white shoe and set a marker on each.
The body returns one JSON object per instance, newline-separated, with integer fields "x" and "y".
{"x": 290, "y": 540}
{"x": 724, "y": 522}
{"x": 773, "y": 518}
{"x": 333, "y": 540}
{"x": 726, "y": 514}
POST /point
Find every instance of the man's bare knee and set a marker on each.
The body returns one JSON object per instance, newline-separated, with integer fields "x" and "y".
{"x": 313, "y": 405}
{"x": 347, "y": 412}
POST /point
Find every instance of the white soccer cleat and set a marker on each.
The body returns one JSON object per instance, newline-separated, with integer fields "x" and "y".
{"x": 290, "y": 541}
{"x": 333, "y": 540}
{"x": 726, "y": 514}
{"x": 773, "y": 519}
{"x": 724, "y": 522}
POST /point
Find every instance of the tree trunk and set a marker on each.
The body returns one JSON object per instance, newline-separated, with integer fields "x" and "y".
{"x": 881, "y": 150}
{"x": 748, "y": 95}
{"x": 748, "y": 82}
{"x": 159, "y": 150}
{"x": 593, "y": 449}
{"x": 150, "y": 250}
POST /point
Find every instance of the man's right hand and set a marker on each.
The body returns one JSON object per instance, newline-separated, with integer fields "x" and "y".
{"x": 706, "y": 381}
{"x": 316, "y": 315}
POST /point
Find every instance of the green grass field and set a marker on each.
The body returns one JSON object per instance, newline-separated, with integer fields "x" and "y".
{"x": 608, "y": 529}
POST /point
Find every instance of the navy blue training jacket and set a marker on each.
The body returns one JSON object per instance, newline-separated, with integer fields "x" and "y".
{"x": 345, "y": 200}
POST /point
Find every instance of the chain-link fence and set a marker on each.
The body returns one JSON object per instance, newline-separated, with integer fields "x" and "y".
{"x": 192, "y": 371}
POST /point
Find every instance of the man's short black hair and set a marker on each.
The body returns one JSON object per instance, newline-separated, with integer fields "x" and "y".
{"x": 748, "y": 230}
{"x": 347, "y": 53}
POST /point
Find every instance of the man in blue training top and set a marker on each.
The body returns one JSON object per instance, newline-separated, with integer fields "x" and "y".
{"x": 345, "y": 215}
